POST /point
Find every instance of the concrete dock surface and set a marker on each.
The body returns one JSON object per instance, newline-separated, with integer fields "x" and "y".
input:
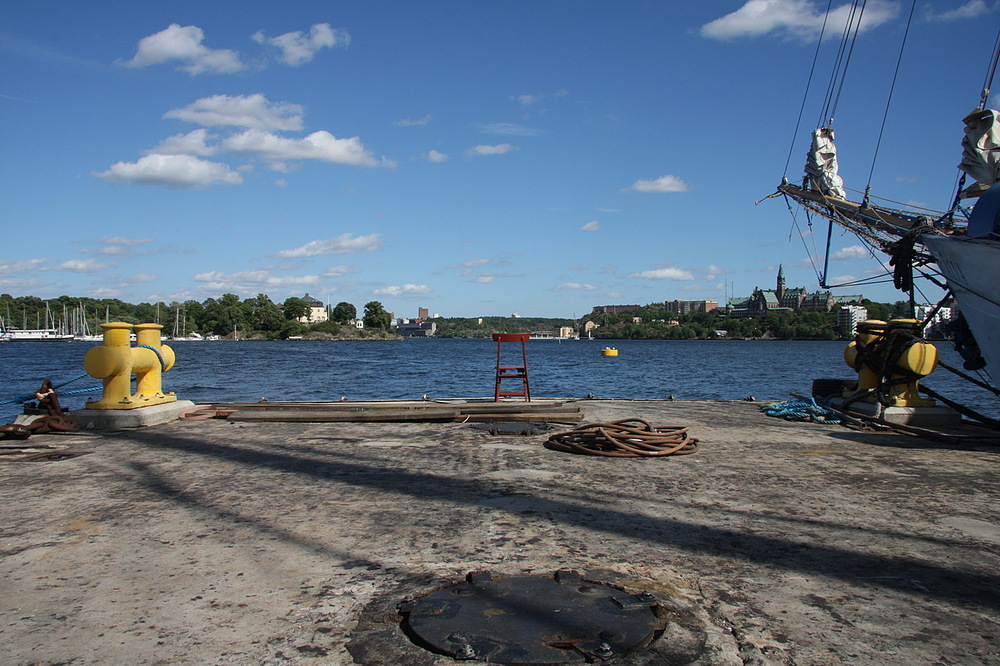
{"x": 244, "y": 542}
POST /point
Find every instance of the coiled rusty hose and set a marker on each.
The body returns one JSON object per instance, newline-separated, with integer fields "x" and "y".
{"x": 627, "y": 438}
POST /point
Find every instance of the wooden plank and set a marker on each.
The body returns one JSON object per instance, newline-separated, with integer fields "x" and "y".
{"x": 399, "y": 415}
{"x": 540, "y": 417}
{"x": 464, "y": 408}
{"x": 334, "y": 416}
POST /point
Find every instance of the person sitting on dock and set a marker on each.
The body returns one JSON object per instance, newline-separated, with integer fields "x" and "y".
{"x": 48, "y": 400}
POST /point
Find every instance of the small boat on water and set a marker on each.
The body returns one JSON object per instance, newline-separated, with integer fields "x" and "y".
{"x": 35, "y": 335}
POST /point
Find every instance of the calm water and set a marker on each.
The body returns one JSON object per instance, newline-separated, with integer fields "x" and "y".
{"x": 301, "y": 370}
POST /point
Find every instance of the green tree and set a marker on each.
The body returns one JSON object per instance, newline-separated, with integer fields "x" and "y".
{"x": 376, "y": 316}
{"x": 263, "y": 314}
{"x": 292, "y": 327}
{"x": 344, "y": 312}
{"x": 295, "y": 307}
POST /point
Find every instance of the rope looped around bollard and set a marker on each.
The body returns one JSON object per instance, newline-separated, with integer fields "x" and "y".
{"x": 627, "y": 438}
{"x": 159, "y": 355}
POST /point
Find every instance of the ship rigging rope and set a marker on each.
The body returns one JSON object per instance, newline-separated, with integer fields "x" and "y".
{"x": 892, "y": 88}
{"x": 990, "y": 73}
{"x": 805, "y": 93}
{"x": 626, "y": 438}
{"x": 839, "y": 76}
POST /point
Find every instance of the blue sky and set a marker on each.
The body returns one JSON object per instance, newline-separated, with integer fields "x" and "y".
{"x": 473, "y": 158}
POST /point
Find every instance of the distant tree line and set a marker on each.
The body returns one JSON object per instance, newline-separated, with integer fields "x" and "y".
{"x": 484, "y": 327}
{"x": 655, "y": 322}
{"x": 258, "y": 317}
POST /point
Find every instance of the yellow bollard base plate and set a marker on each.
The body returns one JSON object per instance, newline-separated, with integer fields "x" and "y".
{"x": 117, "y": 419}
{"x": 133, "y": 402}
{"x": 920, "y": 417}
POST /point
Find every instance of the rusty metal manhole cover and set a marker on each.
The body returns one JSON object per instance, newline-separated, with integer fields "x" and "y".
{"x": 558, "y": 619}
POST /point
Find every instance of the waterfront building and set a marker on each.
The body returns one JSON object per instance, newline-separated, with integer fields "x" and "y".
{"x": 416, "y": 329}
{"x": 317, "y": 311}
{"x": 615, "y": 309}
{"x": 785, "y": 299}
{"x": 682, "y": 308}
{"x": 848, "y": 318}
{"x": 938, "y": 325}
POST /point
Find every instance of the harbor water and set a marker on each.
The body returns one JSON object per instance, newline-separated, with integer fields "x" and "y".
{"x": 227, "y": 371}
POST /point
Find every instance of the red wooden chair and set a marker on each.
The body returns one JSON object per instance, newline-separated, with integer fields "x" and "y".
{"x": 505, "y": 371}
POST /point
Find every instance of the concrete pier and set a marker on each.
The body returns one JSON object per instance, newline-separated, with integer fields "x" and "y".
{"x": 244, "y": 542}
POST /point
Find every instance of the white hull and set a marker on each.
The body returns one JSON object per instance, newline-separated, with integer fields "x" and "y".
{"x": 36, "y": 335}
{"x": 972, "y": 268}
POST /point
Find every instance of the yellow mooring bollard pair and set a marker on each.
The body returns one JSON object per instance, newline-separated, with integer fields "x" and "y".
{"x": 116, "y": 361}
{"x": 891, "y": 358}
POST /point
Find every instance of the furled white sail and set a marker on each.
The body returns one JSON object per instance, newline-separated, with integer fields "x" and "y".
{"x": 821, "y": 164}
{"x": 981, "y": 149}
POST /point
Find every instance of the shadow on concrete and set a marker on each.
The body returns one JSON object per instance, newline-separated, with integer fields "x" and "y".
{"x": 833, "y": 560}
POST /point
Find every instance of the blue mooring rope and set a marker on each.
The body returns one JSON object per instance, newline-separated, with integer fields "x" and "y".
{"x": 163, "y": 365}
{"x": 802, "y": 410}
{"x": 31, "y": 396}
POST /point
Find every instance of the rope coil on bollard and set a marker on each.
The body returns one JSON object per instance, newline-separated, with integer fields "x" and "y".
{"x": 159, "y": 355}
{"x": 626, "y": 438}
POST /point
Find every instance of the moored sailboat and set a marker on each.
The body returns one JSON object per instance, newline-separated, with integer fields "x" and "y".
{"x": 955, "y": 249}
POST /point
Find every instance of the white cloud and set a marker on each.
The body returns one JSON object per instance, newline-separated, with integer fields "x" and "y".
{"x": 712, "y": 272}
{"x": 218, "y": 282}
{"x": 594, "y": 225}
{"x": 192, "y": 143}
{"x": 104, "y": 292}
{"x": 403, "y": 290}
{"x": 252, "y": 111}
{"x": 419, "y": 122}
{"x": 119, "y": 246}
{"x": 25, "y": 266}
{"x": 435, "y": 156}
{"x": 144, "y": 277}
{"x": 82, "y": 266}
{"x": 469, "y": 269}
{"x": 526, "y": 100}
{"x": 512, "y": 129}
{"x": 174, "y": 171}
{"x": 499, "y": 149}
{"x": 852, "y": 252}
{"x": 174, "y": 162}
{"x": 319, "y": 145}
{"x": 577, "y": 286}
{"x": 339, "y": 271}
{"x": 298, "y": 47}
{"x": 664, "y": 274}
{"x": 184, "y": 44}
{"x": 343, "y": 244}
{"x": 971, "y": 9}
{"x": 473, "y": 262}
{"x": 659, "y": 185}
{"x": 121, "y": 240}
{"x": 801, "y": 19}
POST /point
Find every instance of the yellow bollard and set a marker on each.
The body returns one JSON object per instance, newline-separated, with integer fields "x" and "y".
{"x": 116, "y": 361}
{"x": 911, "y": 362}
